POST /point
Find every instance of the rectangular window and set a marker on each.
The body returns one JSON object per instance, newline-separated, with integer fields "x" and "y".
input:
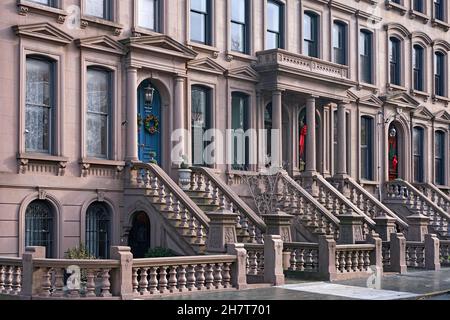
{"x": 310, "y": 35}
{"x": 439, "y": 10}
{"x": 418, "y": 6}
{"x": 98, "y": 127}
{"x": 239, "y": 29}
{"x": 418, "y": 64}
{"x": 99, "y": 8}
{"x": 365, "y": 55}
{"x": 148, "y": 14}
{"x": 50, "y": 3}
{"x": 418, "y": 154}
{"x": 340, "y": 43}
{"x": 275, "y": 21}
{"x": 394, "y": 61}
{"x": 240, "y": 125}
{"x": 201, "y": 21}
{"x": 439, "y": 161}
{"x": 367, "y": 148}
{"x": 439, "y": 74}
{"x": 39, "y": 109}
{"x": 200, "y": 123}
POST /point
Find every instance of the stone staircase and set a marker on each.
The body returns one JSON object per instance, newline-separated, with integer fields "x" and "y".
{"x": 416, "y": 203}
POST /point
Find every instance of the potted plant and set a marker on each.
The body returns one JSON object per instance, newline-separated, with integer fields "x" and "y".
{"x": 153, "y": 155}
{"x": 184, "y": 174}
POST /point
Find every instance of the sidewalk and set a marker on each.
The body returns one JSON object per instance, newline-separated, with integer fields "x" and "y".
{"x": 414, "y": 285}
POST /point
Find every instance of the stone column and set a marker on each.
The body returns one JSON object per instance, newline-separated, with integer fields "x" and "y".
{"x": 132, "y": 125}
{"x": 398, "y": 253}
{"x": 120, "y": 278}
{"x": 342, "y": 141}
{"x": 31, "y": 277}
{"x": 222, "y": 231}
{"x": 376, "y": 256}
{"x": 385, "y": 226}
{"x": 432, "y": 252}
{"x": 279, "y": 223}
{"x": 273, "y": 260}
{"x": 418, "y": 227}
{"x": 327, "y": 257}
{"x": 351, "y": 228}
{"x": 238, "y": 269}
{"x": 178, "y": 114}
{"x": 277, "y": 134}
{"x": 311, "y": 135}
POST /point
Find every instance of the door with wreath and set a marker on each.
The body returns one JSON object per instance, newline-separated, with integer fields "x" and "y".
{"x": 149, "y": 125}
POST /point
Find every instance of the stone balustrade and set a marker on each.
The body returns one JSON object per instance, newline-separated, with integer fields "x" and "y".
{"x": 190, "y": 221}
{"x": 405, "y": 193}
{"x": 433, "y": 193}
{"x": 303, "y": 257}
{"x": 255, "y": 259}
{"x": 386, "y": 253}
{"x": 415, "y": 254}
{"x": 249, "y": 226}
{"x": 11, "y": 271}
{"x": 353, "y": 258}
{"x": 444, "y": 253}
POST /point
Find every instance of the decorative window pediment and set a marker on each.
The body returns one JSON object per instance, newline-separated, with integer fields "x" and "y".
{"x": 207, "y": 65}
{"x": 160, "y": 44}
{"x": 402, "y": 100}
{"x": 442, "y": 116}
{"x": 369, "y": 100}
{"x": 423, "y": 113}
{"x": 244, "y": 73}
{"x": 43, "y": 31}
{"x": 102, "y": 43}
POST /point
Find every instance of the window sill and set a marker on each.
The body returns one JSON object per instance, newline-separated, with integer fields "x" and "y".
{"x": 392, "y": 87}
{"x": 413, "y": 14}
{"x": 421, "y": 94}
{"x": 24, "y": 7}
{"x": 41, "y": 163}
{"x": 204, "y": 48}
{"x": 233, "y": 55}
{"x": 367, "y": 86}
{"x": 440, "y": 24}
{"x": 445, "y": 100}
{"x": 363, "y": 183}
{"x": 101, "y": 167}
{"x": 116, "y": 27}
{"x": 140, "y": 31}
{"x": 395, "y": 6}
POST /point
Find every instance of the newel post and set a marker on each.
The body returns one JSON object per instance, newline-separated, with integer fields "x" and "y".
{"x": 327, "y": 257}
{"x": 376, "y": 256}
{"x": 273, "y": 260}
{"x": 432, "y": 252}
{"x": 32, "y": 279}
{"x": 121, "y": 284}
{"x": 238, "y": 269}
{"x": 398, "y": 253}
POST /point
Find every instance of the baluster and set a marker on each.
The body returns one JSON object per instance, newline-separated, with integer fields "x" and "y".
{"x": 253, "y": 263}
{"x": 134, "y": 281}
{"x": 309, "y": 260}
{"x": 261, "y": 263}
{"x": 153, "y": 283}
{"x": 191, "y": 278}
{"x": 59, "y": 283}
{"x": 184, "y": 223}
{"x": 200, "y": 234}
{"x": 176, "y": 216}
{"x": 414, "y": 257}
{"x": 106, "y": 285}
{"x": 169, "y": 202}
{"x": 193, "y": 181}
{"x": 218, "y": 275}
{"x": 342, "y": 261}
{"x": 46, "y": 284}
{"x": 173, "y": 279}
{"x": 293, "y": 261}
{"x": 17, "y": 280}
{"x": 208, "y": 189}
{"x": 90, "y": 284}
{"x": 226, "y": 275}
{"x": 355, "y": 258}
{"x": 366, "y": 260}
{"x": 2, "y": 279}
{"x": 154, "y": 187}
{"x": 200, "y": 277}
{"x": 361, "y": 261}
{"x": 163, "y": 280}
{"x": 338, "y": 269}
{"x": 143, "y": 283}
{"x": 192, "y": 226}
{"x": 348, "y": 261}
{"x": 182, "y": 280}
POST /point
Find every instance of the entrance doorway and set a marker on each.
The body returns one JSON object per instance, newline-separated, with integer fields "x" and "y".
{"x": 139, "y": 237}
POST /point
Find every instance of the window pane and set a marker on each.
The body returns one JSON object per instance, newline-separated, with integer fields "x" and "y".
{"x": 147, "y": 11}
{"x": 237, "y": 37}
{"x": 98, "y": 228}
{"x": 46, "y": 2}
{"x": 39, "y": 102}
{"x": 238, "y": 11}
{"x": 239, "y": 125}
{"x": 199, "y": 5}
{"x": 440, "y": 158}
{"x": 96, "y": 8}
{"x": 198, "y": 27}
{"x": 199, "y": 122}
{"x": 273, "y": 16}
{"x": 272, "y": 40}
{"x": 39, "y": 226}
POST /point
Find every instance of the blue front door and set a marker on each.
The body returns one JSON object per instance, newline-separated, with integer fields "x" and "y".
{"x": 149, "y": 117}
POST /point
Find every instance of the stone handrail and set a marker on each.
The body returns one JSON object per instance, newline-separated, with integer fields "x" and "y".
{"x": 302, "y": 62}
{"x": 338, "y": 204}
{"x": 166, "y": 193}
{"x": 370, "y": 205}
{"x": 249, "y": 223}
{"x": 435, "y": 194}
{"x": 444, "y": 253}
{"x": 354, "y": 258}
{"x": 415, "y": 254}
{"x": 298, "y": 202}
{"x": 255, "y": 259}
{"x": 11, "y": 276}
{"x": 182, "y": 274}
{"x": 405, "y": 192}
{"x": 303, "y": 257}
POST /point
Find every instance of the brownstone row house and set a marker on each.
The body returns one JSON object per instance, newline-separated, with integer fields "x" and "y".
{"x": 91, "y": 91}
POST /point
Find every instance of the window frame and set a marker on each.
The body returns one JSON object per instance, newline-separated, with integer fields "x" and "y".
{"x": 159, "y": 21}
{"x": 246, "y": 26}
{"x": 315, "y": 32}
{"x": 369, "y": 175}
{"x": 371, "y": 35}
{"x": 422, "y": 70}
{"x": 395, "y": 75}
{"x": 247, "y": 125}
{"x": 109, "y": 232}
{"x": 442, "y": 159}
{"x": 109, "y": 11}
{"x": 345, "y": 28}
{"x": 418, "y": 173}
{"x": 209, "y": 23}
{"x": 282, "y": 20}
{"x": 441, "y": 86}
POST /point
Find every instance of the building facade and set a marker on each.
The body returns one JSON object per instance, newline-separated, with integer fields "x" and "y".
{"x": 91, "y": 87}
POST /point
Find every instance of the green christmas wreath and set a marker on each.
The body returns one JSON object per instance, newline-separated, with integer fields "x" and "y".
{"x": 151, "y": 124}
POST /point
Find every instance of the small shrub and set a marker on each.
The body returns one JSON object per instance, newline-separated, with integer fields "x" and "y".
{"x": 160, "y": 253}
{"x": 79, "y": 253}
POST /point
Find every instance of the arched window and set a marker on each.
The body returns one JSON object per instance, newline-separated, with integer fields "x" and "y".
{"x": 311, "y": 34}
{"x": 340, "y": 42}
{"x": 240, "y": 124}
{"x": 418, "y": 67}
{"x": 98, "y": 230}
{"x": 200, "y": 122}
{"x": 40, "y": 105}
{"x": 395, "y": 61}
{"x": 366, "y": 56}
{"x": 418, "y": 154}
{"x": 439, "y": 158}
{"x": 439, "y": 74}
{"x": 98, "y": 127}
{"x": 268, "y": 124}
{"x": 40, "y": 226}
{"x": 367, "y": 153}
{"x": 394, "y": 152}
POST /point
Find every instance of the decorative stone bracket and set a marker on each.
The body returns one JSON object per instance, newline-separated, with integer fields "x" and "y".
{"x": 42, "y": 164}
{"x": 24, "y": 7}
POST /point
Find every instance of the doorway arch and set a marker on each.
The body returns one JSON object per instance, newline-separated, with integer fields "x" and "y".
{"x": 396, "y": 154}
{"x": 139, "y": 236}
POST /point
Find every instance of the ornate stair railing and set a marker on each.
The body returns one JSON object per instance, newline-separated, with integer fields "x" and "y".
{"x": 433, "y": 193}
{"x": 173, "y": 203}
{"x": 310, "y": 213}
{"x": 338, "y": 204}
{"x": 367, "y": 203}
{"x": 250, "y": 227}
{"x": 416, "y": 201}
